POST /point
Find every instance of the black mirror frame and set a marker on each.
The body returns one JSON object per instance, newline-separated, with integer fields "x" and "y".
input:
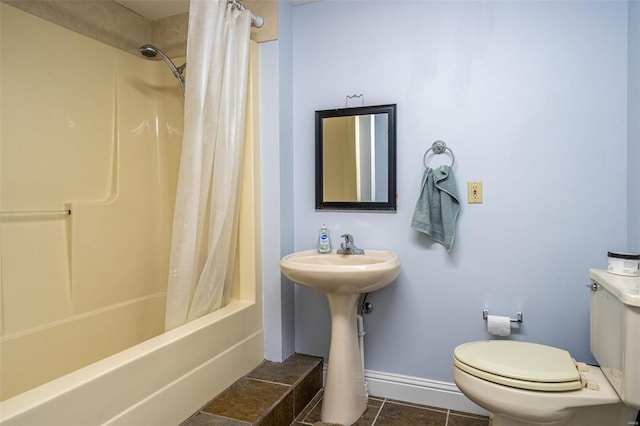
{"x": 390, "y": 204}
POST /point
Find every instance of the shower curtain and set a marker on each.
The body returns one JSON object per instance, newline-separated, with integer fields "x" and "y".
{"x": 205, "y": 225}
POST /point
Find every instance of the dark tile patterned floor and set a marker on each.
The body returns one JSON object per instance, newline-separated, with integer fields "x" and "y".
{"x": 387, "y": 412}
{"x": 289, "y": 393}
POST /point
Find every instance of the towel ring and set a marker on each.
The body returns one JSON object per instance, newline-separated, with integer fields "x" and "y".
{"x": 438, "y": 147}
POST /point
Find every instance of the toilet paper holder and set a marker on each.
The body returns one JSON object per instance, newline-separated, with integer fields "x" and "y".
{"x": 518, "y": 318}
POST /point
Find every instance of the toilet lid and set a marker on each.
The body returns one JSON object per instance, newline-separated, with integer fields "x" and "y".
{"x": 521, "y": 365}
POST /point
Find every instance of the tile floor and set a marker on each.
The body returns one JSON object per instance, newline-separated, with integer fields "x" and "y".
{"x": 290, "y": 394}
{"x": 387, "y": 412}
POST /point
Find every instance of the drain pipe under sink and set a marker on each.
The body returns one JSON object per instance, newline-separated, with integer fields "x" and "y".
{"x": 364, "y": 308}
{"x": 361, "y": 334}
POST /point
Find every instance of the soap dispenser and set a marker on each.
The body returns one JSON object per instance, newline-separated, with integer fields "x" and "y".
{"x": 324, "y": 240}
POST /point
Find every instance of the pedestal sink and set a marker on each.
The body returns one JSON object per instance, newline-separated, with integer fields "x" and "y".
{"x": 343, "y": 278}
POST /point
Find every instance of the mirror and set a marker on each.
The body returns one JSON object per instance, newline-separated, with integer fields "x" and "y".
{"x": 356, "y": 158}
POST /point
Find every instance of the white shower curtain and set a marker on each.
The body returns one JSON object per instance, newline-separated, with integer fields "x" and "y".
{"x": 204, "y": 237}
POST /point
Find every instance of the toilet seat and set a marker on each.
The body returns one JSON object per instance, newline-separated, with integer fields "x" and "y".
{"x": 521, "y": 365}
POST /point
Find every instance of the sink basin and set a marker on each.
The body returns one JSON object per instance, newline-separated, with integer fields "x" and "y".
{"x": 341, "y": 273}
{"x": 343, "y": 278}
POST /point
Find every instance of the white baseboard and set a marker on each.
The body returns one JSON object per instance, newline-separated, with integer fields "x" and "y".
{"x": 419, "y": 391}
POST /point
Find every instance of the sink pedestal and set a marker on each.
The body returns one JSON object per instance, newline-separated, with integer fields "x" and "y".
{"x": 344, "y": 398}
{"x": 343, "y": 278}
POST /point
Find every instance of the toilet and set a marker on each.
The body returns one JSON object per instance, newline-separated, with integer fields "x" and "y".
{"x": 523, "y": 383}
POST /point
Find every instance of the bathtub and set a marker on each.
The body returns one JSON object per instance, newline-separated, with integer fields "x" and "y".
{"x": 99, "y": 265}
{"x": 161, "y": 381}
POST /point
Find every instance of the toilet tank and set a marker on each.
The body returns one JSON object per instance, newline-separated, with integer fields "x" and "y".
{"x": 615, "y": 331}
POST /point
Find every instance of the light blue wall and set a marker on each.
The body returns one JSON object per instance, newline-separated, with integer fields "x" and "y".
{"x": 276, "y": 146}
{"x": 285, "y": 79}
{"x": 270, "y": 212}
{"x": 634, "y": 126}
{"x": 532, "y": 99}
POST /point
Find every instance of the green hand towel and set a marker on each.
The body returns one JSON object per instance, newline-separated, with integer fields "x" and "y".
{"x": 438, "y": 206}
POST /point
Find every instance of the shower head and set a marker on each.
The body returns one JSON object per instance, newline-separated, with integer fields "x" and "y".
{"x": 149, "y": 51}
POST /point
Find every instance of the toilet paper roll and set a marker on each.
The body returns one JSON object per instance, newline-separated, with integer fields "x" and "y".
{"x": 498, "y": 326}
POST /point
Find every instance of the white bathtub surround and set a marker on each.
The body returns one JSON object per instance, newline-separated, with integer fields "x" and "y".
{"x": 79, "y": 287}
{"x": 166, "y": 378}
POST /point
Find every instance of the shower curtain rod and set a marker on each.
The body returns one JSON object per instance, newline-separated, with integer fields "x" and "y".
{"x": 257, "y": 21}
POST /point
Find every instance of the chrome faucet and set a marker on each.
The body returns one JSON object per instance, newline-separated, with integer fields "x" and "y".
{"x": 348, "y": 247}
